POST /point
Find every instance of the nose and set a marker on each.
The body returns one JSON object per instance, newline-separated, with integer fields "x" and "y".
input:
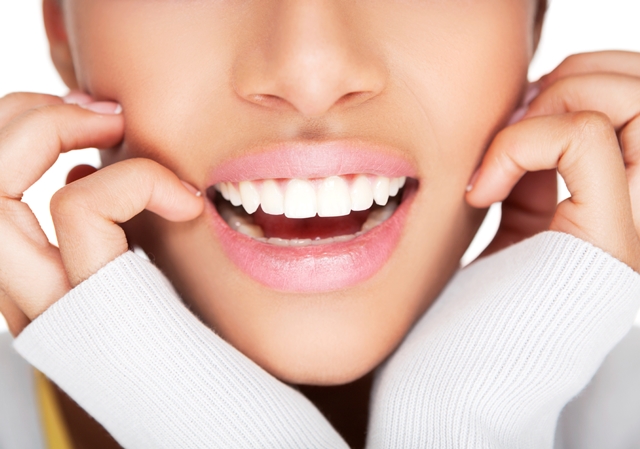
{"x": 307, "y": 55}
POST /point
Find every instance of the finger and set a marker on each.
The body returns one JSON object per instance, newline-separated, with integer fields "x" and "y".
{"x": 614, "y": 95}
{"x": 31, "y": 270}
{"x": 40, "y": 135}
{"x": 621, "y": 62}
{"x": 16, "y": 320}
{"x": 527, "y": 211}
{"x": 86, "y": 213}
{"x": 17, "y": 103}
{"x": 630, "y": 142}
{"x": 584, "y": 148}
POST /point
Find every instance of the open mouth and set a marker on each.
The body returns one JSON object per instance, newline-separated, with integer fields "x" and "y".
{"x": 310, "y": 217}
{"x": 303, "y": 212}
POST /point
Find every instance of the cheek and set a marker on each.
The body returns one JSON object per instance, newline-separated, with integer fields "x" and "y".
{"x": 138, "y": 53}
{"x": 462, "y": 68}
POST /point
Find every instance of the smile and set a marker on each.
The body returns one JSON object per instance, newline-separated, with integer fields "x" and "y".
{"x": 311, "y": 233}
{"x": 298, "y": 212}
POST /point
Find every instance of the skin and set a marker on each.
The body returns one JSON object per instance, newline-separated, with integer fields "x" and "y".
{"x": 370, "y": 78}
{"x": 438, "y": 81}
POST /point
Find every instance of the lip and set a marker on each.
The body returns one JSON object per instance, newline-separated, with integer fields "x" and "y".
{"x": 315, "y": 269}
{"x": 314, "y": 160}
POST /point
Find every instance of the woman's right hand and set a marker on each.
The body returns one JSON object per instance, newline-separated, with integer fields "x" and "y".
{"x": 34, "y": 130}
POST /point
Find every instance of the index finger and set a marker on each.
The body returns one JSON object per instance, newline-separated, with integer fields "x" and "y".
{"x": 612, "y": 94}
{"x": 620, "y": 62}
{"x": 31, "y": 143}
{"x": 17, "y": 103}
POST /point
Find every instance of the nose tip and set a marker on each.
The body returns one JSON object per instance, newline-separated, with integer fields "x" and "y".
{"x": 310, "y": 61}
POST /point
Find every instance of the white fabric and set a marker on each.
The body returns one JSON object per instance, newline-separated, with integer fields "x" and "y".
{"x": 507, "y": 345}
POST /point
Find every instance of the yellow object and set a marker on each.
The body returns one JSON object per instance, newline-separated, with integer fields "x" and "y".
{"x": 55, "y": 430}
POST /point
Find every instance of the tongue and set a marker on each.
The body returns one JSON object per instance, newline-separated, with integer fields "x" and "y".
{"x": 309, "y": 228}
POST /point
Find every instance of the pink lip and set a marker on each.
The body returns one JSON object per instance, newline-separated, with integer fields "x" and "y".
{"x": 314, "y": 160}
{"x": 314, "y": 269}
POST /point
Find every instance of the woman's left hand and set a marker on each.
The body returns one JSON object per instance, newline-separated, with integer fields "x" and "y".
{"x": 607, "y": 82}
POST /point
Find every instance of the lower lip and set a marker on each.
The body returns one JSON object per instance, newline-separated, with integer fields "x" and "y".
{"x": 314, "y": 269}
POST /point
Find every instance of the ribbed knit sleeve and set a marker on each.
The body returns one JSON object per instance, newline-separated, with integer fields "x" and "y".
{"x": 126, "y": 349}
{"x": 512, "y": 339}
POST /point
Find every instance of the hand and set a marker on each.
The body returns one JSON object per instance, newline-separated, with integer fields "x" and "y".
{"x": 586, "y": 123}
{"x": 34, "y": 130}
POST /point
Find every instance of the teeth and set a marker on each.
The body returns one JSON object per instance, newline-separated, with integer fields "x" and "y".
{"x": 234, "y": 195}
{"x": 252, "y": 230}
{"x": 250, "y": 196}
{"x": 300, "y": 199}
{"x": 277, "y": 241}
{"x": 243, "y": 223}
{"x": 334, "y": 196}
{"x": 300, "y": 242}
{"x": 361, "y": 193}
{"x": 378, "y": 216}
{"x": 381, "y": 190}
{"x": 224, "y": 190}
{"x": 394, "y": 186}
{"x": 271, "y": 198}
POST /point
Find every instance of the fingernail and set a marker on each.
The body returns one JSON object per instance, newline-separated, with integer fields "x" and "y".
{"x": 518, "y": 115}
{"x": 103, "y": 107}
{"x": 77, "y": 97}
{"x": 472, "y": 181}
{"x": 192, "y": 189}
{"x": 532, "y": 92}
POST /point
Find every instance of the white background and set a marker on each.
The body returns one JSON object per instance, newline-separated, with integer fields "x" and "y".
{"x": 572, "y": 26}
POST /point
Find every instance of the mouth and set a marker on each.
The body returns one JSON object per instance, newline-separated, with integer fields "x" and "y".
{"x": 311, "y": 234}
{"x": 300, "y": 212}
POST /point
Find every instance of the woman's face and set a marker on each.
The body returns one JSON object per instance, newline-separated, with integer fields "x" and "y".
{"x": 231, "y": 91}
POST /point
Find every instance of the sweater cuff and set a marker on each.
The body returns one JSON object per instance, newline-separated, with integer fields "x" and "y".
{"x": 127, "y": 350}
{"x": 509, "y": 342}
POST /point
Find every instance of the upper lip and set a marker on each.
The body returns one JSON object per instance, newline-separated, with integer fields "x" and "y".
{"x": 307, "y": 160}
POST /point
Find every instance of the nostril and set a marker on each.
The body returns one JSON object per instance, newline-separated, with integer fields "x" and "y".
{"x": 270, "y": 101}
{"x": 354, "y": 98}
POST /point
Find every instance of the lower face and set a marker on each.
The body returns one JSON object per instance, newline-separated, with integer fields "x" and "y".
{"x": 334, "y": 140}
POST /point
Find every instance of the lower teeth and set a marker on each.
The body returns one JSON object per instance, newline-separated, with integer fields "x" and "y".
{"x": 239, "y": 221}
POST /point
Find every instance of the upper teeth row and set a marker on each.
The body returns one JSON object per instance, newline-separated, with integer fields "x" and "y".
{"x": 302, "y": 198}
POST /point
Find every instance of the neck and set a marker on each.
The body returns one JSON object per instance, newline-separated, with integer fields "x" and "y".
{"x": 345, "y": 406}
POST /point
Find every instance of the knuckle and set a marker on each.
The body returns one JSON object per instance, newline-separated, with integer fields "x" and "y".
{"x": 591, "y": 127}
{"x": 49, "y": 121}
{"x": 592, "y": 123}
{"x": 14, "y": 97}
{"x": 571, "y": 61}
{"x": 141, "y": 163}
{"x": 503, "y": 138}
{"x": 41, "y": 116}
{"x": 574, "y": 63}
{"x": 18, "y": 98}
{"x": 143, "y": 169}
{"x": 64, "y": 204}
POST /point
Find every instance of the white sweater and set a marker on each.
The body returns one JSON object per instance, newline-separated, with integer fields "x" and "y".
{"x": 511, "y": 340}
